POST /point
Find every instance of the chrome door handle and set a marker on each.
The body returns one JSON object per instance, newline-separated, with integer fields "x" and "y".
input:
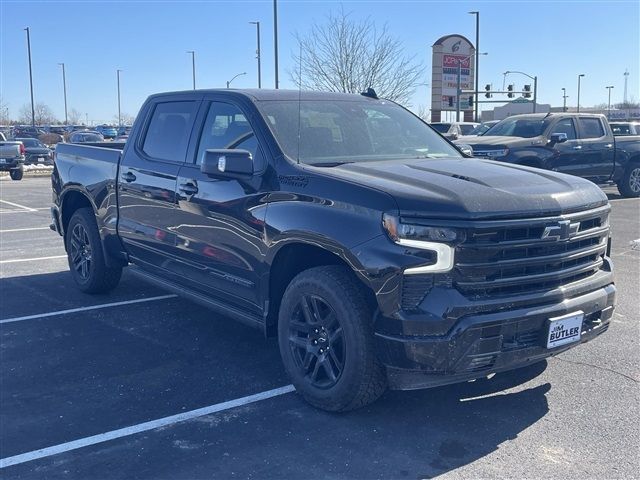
{"x": 578, "y": 147}
{"x": 609, "y": 145}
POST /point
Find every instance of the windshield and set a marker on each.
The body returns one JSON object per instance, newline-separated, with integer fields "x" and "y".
{"x": 87, "y": 137}
{"x": 480, "y": 129}
{"x": 334, "y": 132}
{"x": 518, "y": 127}
{"x": 441, "y": 127}
{"x": 27, "y": 142}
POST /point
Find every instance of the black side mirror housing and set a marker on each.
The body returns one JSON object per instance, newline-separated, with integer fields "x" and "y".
{"x": 558, "y": 138}
{"x": 227, "y": 163}
{"x": 465, "y": 149}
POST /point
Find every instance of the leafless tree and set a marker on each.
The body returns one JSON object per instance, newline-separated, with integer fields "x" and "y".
{"x": 422, "y": 111}
{"x": 75, "y": 117}
{"x": 43, "y": 114}
{"x": 4, "y": 112}
{"x": 345, "y": 55}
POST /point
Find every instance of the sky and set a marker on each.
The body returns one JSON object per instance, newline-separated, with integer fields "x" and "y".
{"x": 149, "y": 40}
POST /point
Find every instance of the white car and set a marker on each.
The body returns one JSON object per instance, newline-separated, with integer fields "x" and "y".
{"x": 454, "y": 130}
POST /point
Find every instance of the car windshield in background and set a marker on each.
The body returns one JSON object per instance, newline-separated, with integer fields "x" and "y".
{"x": 467, "y": 129}
{"x": 338, "y": 132}
{"x": 480, "y": 129}
{"x": 518, "y": 127}
{"x": 30, "y": 142}
{"x": 441, "y": 127}
{"x": 86, "y": 137}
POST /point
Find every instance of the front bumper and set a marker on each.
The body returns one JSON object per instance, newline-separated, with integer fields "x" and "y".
{"x": 484, "y": 343}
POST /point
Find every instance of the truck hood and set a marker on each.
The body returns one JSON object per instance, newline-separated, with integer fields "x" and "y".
{"x": 472, "y": 189}
{"x": 506, "y": 141}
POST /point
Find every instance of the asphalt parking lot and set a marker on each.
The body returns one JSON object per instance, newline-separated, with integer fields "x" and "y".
{"x": 148, "y": 385}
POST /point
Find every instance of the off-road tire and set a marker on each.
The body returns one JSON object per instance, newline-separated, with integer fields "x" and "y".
{"x": 99, "y": 277}
{"x": 363, "y": 378}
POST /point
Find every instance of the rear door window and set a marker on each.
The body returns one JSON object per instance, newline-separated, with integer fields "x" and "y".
{"x": 591, "y": 127}
{"x": 169, "y": 129}
{"x": 565, "y": 126}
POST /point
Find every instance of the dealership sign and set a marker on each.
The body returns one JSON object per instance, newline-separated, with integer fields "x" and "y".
{"x": 452, "y": 55}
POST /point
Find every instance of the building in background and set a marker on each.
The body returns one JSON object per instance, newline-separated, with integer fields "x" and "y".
{"x": 515, "y": 107}
{"x": 450, "y": 53}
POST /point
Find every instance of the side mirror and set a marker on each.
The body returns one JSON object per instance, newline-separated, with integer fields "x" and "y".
{"x": 227, "y": 163}
{"x": 558, "y": 138}
{"x": 465, "y": 149}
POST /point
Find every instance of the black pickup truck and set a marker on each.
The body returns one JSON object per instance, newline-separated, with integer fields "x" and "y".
{"x": 376, "y": 252}
{"x": 580, "y": 144}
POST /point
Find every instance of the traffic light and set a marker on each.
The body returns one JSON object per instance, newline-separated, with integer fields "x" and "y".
{"x": 487, "y": 87}
{"x": 471, "y": 100}
{"x": 527, "y": 91}
{"x": 451, "y": 101}
{"x": 510, "y": 91}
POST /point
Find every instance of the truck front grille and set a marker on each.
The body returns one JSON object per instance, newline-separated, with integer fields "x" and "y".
{"x": 511, "y": 257}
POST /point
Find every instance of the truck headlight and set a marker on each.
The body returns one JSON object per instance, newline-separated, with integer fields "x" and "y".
{"x": 503, "y": 152}
{"x": 433, "y": 239}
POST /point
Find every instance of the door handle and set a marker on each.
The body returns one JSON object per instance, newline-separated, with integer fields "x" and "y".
{"x": 609, "y": 145}
{"x": 188, "y": 188}
{"x": 128, "y": 177}
{"x": 578, "y": 147}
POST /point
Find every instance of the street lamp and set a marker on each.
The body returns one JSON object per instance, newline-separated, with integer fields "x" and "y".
{"x": 236, "y": 76}
{"x": 193, "y": 66}
{"x": 579, "y": 78}
{"x": 477, "y": 15}
{"x": 609, "y": 104}
{"x": 257, "y": 24}
{"x": 64, "y": 86}
{"x": 564, "y": 99}
{"x": 33, "y": 110}
{"x": 535, "y": 85}
{"x": 119, "y": 114}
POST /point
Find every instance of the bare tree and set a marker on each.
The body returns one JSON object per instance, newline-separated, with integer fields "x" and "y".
{"x": 344, "y": 55}
{"x": 4, "y": 112}
{"x": 43, "y": 114}
{"x": 423, "y": 112}
{"x": 74, "y": 116}
{"x": 125, "y": 118}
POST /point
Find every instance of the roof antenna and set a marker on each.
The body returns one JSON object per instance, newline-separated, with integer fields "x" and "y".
{"x": 371, "y": 93}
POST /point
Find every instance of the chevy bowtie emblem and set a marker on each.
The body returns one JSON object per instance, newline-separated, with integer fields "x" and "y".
{"x": 564, "y": 230}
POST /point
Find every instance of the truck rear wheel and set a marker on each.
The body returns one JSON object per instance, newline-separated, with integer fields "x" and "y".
{"x": 326, "y": 340}
{"x": 629, "y": 184}
{"x": 86, "y": 257}
{"x": 16, "y": 174}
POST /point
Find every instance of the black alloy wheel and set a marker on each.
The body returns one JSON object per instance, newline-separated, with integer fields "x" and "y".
{"x": 80, "y": 250}
{"x": 316, "y": 341}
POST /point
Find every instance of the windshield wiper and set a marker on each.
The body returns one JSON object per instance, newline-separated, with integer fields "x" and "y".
{"x": 328, "y": 164}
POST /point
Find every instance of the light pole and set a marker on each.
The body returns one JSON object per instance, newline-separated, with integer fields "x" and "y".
{"x": 235, "y": 76}
{"x": 119, "y": 114}
{"x": 609, "y": 103}
{"x": 275, "y": 37}
{"x": 193, "y": 66}
{"x": 33, "y": 110}
{"x": 579, "y": 78}
{"x": 257, "y": 24}
{"x": 564, "y": 99}
{"x": 535, "y": 85}
{"x": 64, "y": 86}
{"x": 475, "y": 107}
{"x": 458, "y": 83}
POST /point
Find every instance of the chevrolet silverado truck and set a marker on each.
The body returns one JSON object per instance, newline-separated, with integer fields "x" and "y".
{"x": 574, "y": 143}
{"x": 377, "y": 253}
{"x": 11, "y": 157}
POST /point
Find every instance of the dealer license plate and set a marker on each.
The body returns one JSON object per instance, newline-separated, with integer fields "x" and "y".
{"x": 564, "y": 329}
{"x": 40, "y": 159}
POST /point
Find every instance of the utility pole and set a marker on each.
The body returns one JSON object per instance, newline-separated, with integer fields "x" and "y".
{"x": 64, "y": 86}
{"x": 33, "y": 109}
{"x": 257, "y": 24}
{"x": 119, "y": 113}
{"x": 275, "y": 37}
{"x": 476, "y": 107}
{"x": 626, "y": 79}
{"x": 193, "y": 66}
{"x": 564, "y": 99}
{"x": 579, "y": 78}
{"x": 609, "y": 103}
{"x": 459, "y": 91}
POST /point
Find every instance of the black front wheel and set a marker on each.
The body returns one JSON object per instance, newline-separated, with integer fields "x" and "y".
{"x": 629, "y": 184}
{"x": 16, "y": 174}
{"x": 326, "y": 340}
{"x": 86, "y": 257}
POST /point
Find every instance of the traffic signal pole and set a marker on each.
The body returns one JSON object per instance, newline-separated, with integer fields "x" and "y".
{"x": 459, "y": 92}
{"x": 535, "y": 93}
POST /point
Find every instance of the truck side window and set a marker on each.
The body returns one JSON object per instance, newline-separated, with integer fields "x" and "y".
{"x": 565, "y": 126}
{"x": 226, "y": 127}
{"x": 591, "y": 127}
{"x": 168, "y": 132}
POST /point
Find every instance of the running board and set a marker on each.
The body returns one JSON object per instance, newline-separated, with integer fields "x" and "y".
{"x": 236, "y": 314}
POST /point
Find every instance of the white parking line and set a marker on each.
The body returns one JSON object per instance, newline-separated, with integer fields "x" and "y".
{"x": 142, "y": 427}
{"x": 18, "y": 260}
{"x": 31, "y": 210}
{"x": 9, "y": 230}
{"x": 84, "y": 309}
{"x": 28, "y": 209}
